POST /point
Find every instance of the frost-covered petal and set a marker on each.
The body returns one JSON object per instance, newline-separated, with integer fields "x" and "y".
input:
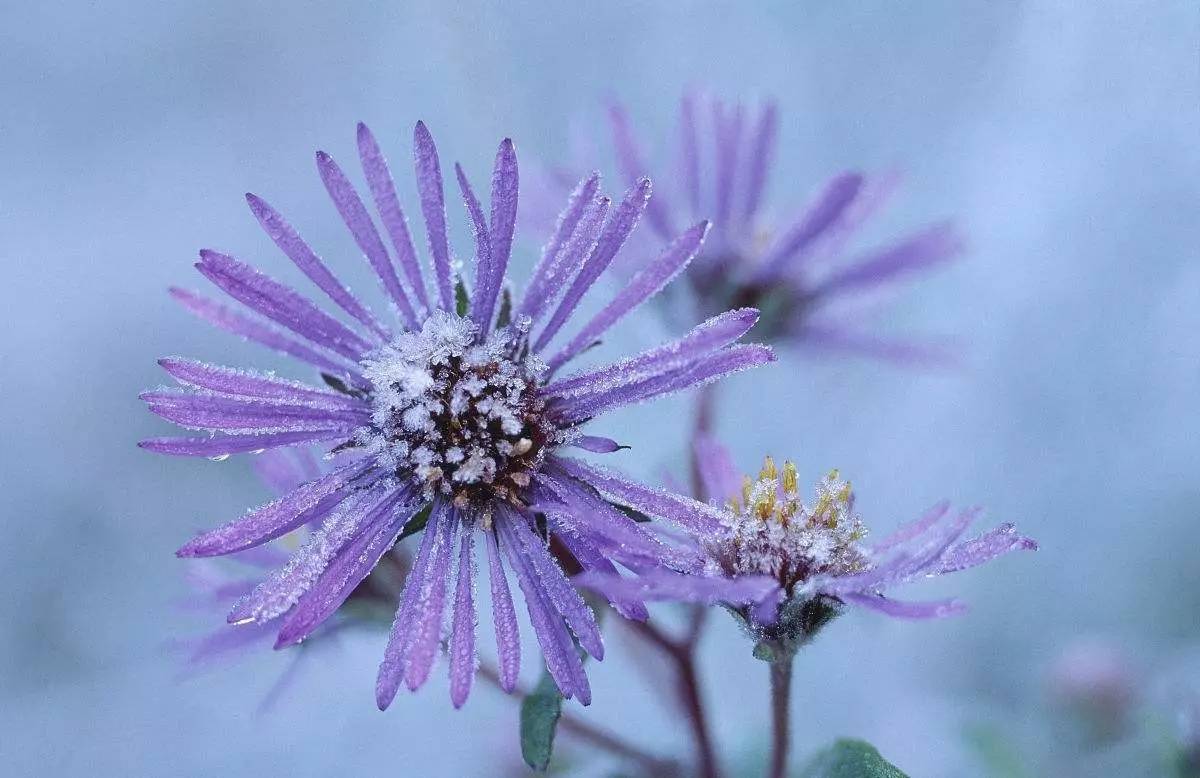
{"x": 280, "y": 304}
{"x": 350, "y": 206}
{"x": 483, "y": 254}
{"x": 663, "y": 584}
{"x": 277, "y": 517}
{"x": 904, "y": 609}
{"x": 688, "y": 513}
{"x": 431, "y": 605}
{"x": 282, "y": 470}
{"x": 647, "y": 283}
{"x": 237, "y": 444}
{"x": 242, "y": 415}
{"x": 552, "y": 271}
{"x": 984, "y": 548}
{"x": 618, "y": 227}
{"x": 222, "y": 317}
{"x": 592, "y": 558}
{"x": 502, "y": 223}
{"x": 462, "y": 632}
{"x": 383, "y": 191}
{"x": 297, "y": 250}
{"x": 504, "y": 618}
{"x": 248, "y": 383}
{"x": 597, "y": 444}
{"x": 433, "y": 207}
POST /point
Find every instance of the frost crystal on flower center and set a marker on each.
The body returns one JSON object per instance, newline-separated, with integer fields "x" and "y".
{"x": 771, "y": 531}
{"x": 462, "y": 418}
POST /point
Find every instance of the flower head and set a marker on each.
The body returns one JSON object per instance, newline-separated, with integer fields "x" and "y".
{"x": 787, "y": 566}
{"x": 451, "y": 422}
{"x": 797, "y": 272}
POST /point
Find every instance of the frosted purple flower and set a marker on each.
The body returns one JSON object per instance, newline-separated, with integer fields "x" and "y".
{"x": 788, "y": 566}
{"x": 797, "y": 272}
{"x": 452, "y": 420}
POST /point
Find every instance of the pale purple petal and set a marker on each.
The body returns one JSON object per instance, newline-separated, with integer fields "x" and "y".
{"x": 991, "y": 544}
{"x": 282, "y": 470}
{"x": 795, "y": 243}
{"x": 597, "y": 444}
{"x": 718, "y": 475}
{"x": 222, "y": 317}
{"x": 433, "y": 206}
{"x": 297, "y": 250}
{"x": 241, "y": 415}
{"x": 826, "y": 338}
{"x": 383, "y": 190}
{"x": 618, "y": 227}
{"x": 427, "y": 627}
{"x": 902, "y": 609}
{"x": 551, "y": 271}
{"x": 647, "y": 283}
{"x": 689, "y": 146}
{"x": 462, "y": 637}
{"x": 684, "y": 511}
{"x": 483, "y": 253}
{"x": 502, "y": 223}
{"x": 236, "y": 444}
{"x": 504, "y": 617}
{"x": 633, "y": 167}
{"x": 277, "y": 517}
{"x": 913, "y": 529}
{"x": 592, "y": 558}
{"x": 663, "y": 584}
{"x": 355, "y": 215}
{"x": 727, "y": 136}
{"x": 926, "y": 249}
{"x": 760, "y": 160}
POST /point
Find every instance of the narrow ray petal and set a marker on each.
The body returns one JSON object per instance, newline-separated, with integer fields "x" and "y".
{"x": 633, "y": 167}
{"x": 795, "y": 243}
{"x": 433, "y": 207}
{"x": 504, "y": 618}
{"x": 463, "y": 658}
{"x": 550, "y": 269}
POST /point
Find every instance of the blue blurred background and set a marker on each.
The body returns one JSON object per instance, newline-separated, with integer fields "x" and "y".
{"x": 1062, "y": 136}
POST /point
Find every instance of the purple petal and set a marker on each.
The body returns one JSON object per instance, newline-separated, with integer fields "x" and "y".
{"x": 719, "y": 331}
{"x": 284, "y": 587}
{"x": 355, "y": 215}
{"x": 502, "y": 224}
{"x": 427, "y": 628}
{"x": 282, "y": 470}
{"x": 760, "y": 160}
{"x": 596, "y": 444}
{"x": 828, "y": 208}
{"x": 705, "y": 370}
{"x": 823, "y": 337}
{"x": 562, "y": 660}
{"x": 483, "y": 255}
{"x": 508, "y": 639}
{"x": 669, "y": 585}
{"x": 383, "y": 191}
{"x": 559, "y": 591}
{"x": 222, "y": 317}
{"x": 235, "y": 444}
{"x": 718, "y": 474}
{"x": 551, "y": 269}
{"x": 647, "y": 283}
{"x": 633, "y": 167}
{"x": 912, "y": 529}
{"x": 684, "y": 511}
{"x": 348, "y": 569}
{"x": 414, "y": 605}
{"x": 901, "y": 609}
{"x": 620, "y": 224}
{"x": 433, "y": 206}
{"x": 991, "y": 544}
{"x": 931, "y": 247}
{"x": 592, "y": 558}
{"x": 462, "y": 637}
{"x": 277, "y": 517}
{"x": 240, "y": 415}
{"x": 291, "y": 244}
{"x": 247, "y": 383}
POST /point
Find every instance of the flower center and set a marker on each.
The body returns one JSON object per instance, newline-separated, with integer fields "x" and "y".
{"x": 463, "y": 419}
{"x": 771, "y": 531}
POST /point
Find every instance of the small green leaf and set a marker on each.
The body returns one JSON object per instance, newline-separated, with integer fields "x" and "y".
{"x": 462, "y": 301}
{"x": 848, "y": 758}
{"x": 416, "y": 523}
{"x": 505, "y": 316}
{"x": 540, "y": 711}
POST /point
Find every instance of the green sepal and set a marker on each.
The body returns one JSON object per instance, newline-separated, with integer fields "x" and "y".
{"x": 540, "y": 711}
{"x": 462, "y": 300}
{"x": 849, "y": 758}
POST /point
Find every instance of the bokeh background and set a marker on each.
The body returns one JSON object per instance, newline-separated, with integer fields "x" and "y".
{"x": 1062, "y": 136}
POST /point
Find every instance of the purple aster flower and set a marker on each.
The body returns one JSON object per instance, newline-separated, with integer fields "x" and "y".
{"x": 798, "y": 272}
{"x": 788, "y": 566}
{"x": 451, "y": 421}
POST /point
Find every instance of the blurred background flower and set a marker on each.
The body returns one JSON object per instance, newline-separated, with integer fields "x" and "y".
{"x": 1062, "y": 138}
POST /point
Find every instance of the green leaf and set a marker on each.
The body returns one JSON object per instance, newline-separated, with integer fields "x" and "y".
{"x": 505, "y": 316}
{"x": 416, "y": 523}
{"x": 848, "y": 758}
{"x": 540, "y": 711}
{"x": 462, "y": 301}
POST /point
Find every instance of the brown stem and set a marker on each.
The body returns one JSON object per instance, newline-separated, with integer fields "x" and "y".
{"x": 683, "y": 654}
{"x": 781, "y": 692}
{"x": 595, "y": 736}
